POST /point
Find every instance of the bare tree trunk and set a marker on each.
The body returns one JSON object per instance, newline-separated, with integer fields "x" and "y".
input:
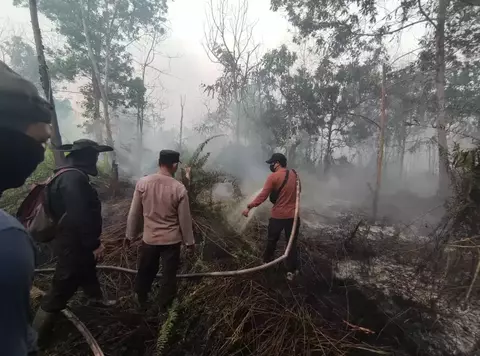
{"x": 444, "y": 180}
{"x": 380, "y": 146}
{"x": 45, "y": 79}
{"x": 430, "y": 166}
{"x": 182, "y": 106}
{"x": 142, "y": 103}
{"x": 328, "y": 151}
{"x": 139, "y": 145}
{"x": 292, "y": 152}
{"x": 234, "y": 36}
{"x": 97, "y": 124}
{"x": 103, "y": 92}
{"x": 402, "y": 156}
{"x": 321, "y": 156}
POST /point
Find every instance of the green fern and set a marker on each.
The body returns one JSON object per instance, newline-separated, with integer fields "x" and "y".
{"x": 194, "y": 160}
{"x": 167, "y": 328}
{"x": 203, "y": 180}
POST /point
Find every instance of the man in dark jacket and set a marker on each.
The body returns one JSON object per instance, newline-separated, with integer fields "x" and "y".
{"x": 74, "y": 203}
{"x": 24, "y": 129}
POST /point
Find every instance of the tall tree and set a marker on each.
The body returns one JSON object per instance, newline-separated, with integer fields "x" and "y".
{"x": 21, "y": 57}
{"x": 229, "y": 42}
{"x": 97, "y": 34}
{"x": 340, "y": 26}
{"x": 183, "y": 100}
{"x": 45, "y": 80}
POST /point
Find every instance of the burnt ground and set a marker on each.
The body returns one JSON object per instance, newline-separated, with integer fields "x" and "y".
{"x": 356, "y": 296}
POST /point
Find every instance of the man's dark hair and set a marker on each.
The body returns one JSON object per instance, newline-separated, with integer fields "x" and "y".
{"x": 163, "y": 164}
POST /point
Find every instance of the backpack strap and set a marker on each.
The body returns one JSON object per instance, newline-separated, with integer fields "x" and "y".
{"x": 283, "y": 184}
{"x": 59, "y": 172}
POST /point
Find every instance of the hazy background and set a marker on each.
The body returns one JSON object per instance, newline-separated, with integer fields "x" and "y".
{"x": 182, "y": 66}
{"x": 183, "y": 60}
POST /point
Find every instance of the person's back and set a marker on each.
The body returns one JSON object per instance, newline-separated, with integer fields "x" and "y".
{"x": 72, "y": 196}
{"x": 284, "y": 207}
{"x": 162, "y": 203}
{"x": 161, "y": 195}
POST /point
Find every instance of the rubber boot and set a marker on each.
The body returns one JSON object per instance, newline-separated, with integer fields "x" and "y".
{"x": 43, "y": 325}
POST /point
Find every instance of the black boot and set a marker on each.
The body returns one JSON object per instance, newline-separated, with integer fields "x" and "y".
{"x": 43, "y": 325}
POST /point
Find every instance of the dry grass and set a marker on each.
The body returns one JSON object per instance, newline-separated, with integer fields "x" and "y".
{"x": 263, "y": 314}
{"x": 257, "y": 315}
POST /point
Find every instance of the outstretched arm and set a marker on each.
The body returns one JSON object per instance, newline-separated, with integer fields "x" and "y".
{"x": 263, "y": 195}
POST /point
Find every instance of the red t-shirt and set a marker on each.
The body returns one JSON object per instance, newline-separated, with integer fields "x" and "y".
{"x": 284, "y": 208}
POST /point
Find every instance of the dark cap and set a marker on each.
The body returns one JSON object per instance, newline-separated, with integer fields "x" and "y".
{"x": 169, "y": 157}
{"x": 20, "y": 103}
{"x": 84, "y": 144}
{"x": 278, "y": 157}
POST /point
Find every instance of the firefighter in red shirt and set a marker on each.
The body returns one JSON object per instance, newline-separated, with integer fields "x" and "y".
{"x": 280, "y": 187}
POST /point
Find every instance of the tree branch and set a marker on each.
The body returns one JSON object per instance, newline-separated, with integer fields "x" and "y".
{"x": 364, "y": 118}
{"x": 380, "y": 33}
{"x": 425, "y": 14}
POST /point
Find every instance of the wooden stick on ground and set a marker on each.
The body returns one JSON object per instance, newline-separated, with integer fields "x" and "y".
{"x": 92, "y": 343}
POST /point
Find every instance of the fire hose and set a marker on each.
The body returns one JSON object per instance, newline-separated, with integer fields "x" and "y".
{"x": 211, "y": 274}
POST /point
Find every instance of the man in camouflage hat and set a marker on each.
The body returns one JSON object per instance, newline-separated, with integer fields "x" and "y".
{"x": 24, "y": 129}
{"x": 75, "y": 204}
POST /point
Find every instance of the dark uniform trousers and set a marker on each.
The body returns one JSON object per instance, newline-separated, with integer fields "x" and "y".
{"x": 149, "y": 264}
{"x": 275, "y": 229}
{"x": 72, "y": 273}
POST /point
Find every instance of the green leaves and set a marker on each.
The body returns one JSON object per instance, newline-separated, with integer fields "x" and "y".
{"x": 204, "y": 180}
{"x": 22, "y": 58}
{"x": 112, "y": 26}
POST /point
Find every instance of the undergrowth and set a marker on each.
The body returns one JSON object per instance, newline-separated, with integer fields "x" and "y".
{"x": 253, "y": 315}
{"x": 167, "y": 328}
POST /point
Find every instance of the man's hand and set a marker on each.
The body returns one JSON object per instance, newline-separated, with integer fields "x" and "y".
{"x": 99, "y": 253}
{"x": 190, "y": 249}
{"x": 188, "y": 171}
{"x": 246, "y": 212}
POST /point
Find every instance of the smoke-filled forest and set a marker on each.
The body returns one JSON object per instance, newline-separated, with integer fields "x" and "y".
{"x": 376, "y": 105}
